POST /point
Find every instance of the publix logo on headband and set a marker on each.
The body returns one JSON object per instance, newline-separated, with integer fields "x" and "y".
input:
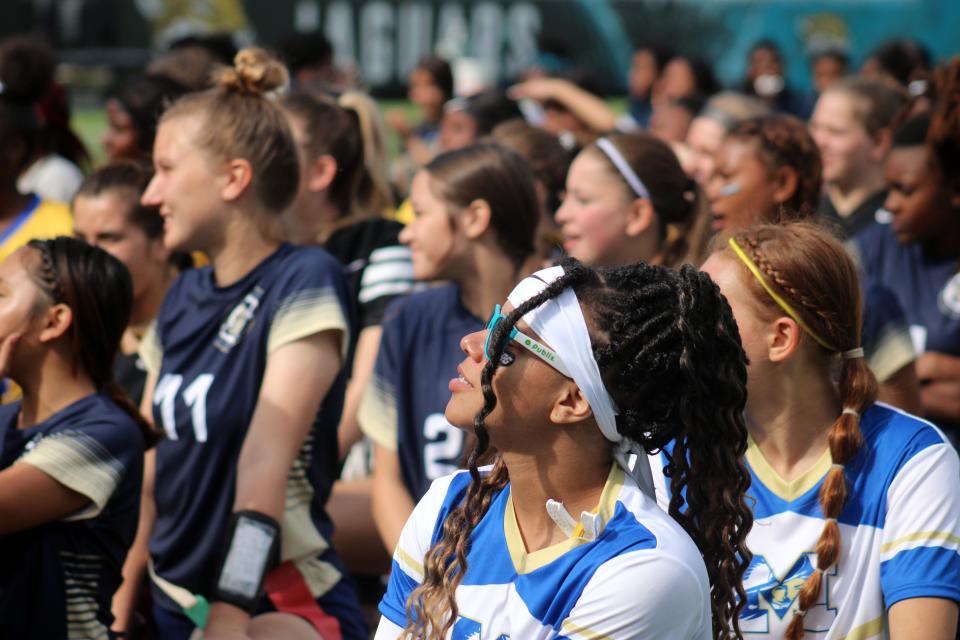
{"x": 546, "y": 353}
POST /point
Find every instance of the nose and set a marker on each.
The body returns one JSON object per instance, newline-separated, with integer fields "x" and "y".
{"x": 892, "y": 203}
{"x": 151, "y": 197}
{"x": 472, "y": 344}
{"x": 406, "y": 234}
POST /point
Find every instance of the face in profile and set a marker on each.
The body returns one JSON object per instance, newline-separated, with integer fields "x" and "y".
{"x": 916, "y": 196}
{"x": 121, "y": 139}
{"x": 457, "y": 130}
{"x": 431, "y": 236}
{"x": 740, "y": 190}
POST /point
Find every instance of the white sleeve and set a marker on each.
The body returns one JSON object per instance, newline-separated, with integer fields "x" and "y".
{"x": 415, "y": 540}
{"x": 644, "y": 594}
{"x": 387, "y": 630}
{"x": 920, "y": 550}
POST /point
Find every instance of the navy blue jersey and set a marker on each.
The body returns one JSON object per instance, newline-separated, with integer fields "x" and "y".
{"x": 403, "y": 406}
{"x": 57, "y": 580}
{"x": 928, "y": 289}
{"x": 210, "y": 347}
{"x": 885, "y": 335}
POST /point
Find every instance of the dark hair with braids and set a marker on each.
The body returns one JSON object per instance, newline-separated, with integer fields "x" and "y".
{"x": 810, "y": 269}
{"x": 784, "y": 141}
{"x": 674, "y": 196}
{"x": 654, "y": 331}
{"x": 97, "y": 288}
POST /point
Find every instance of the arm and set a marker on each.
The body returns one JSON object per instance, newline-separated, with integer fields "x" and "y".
{"x": 939, "y": 376}
{"x": 29, "y": 497}
{"x": 355, "y": 537}
{"x": 923, "y": 619}
{"x": 297, "y": 377}
{"x": 588, "y": 108}
{"x": 135, "y": 566}
{"x": 392, "y": 504}
{"x": 368, "y": 343}
{"x": 902, "y": 390}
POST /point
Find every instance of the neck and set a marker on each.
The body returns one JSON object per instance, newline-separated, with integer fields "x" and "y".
{"x": 847, "y": 197}
{"x": 53, "y": 386}
{"x": 577, "y": 485}
{"x": 315, "y": 226}
{"x": 486, "y": 281}
{"x": 148, "y": 303}
{"x": 243, "y": 247}
{"x": 790, "y": 422}
{"x": 12, "y": 201}
{"x": 946, "y": 242}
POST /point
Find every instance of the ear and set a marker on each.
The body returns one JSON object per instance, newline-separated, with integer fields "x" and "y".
{"x": 882, "y": 142}
{"x": 783, "y": 339}
{"x": 54, "y": 322}
{"x": 640, "y": 217}
{"x": 785, "y": 182}
{"x": 320, "y": 173}
{"x": 570, "y": 406}
{"x": 237, "y": 176}
{"x": 475, "y": 219}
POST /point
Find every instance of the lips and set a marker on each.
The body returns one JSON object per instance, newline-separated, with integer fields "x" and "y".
{"x": 460, "y": 383}
{"x": 718, "y": 221}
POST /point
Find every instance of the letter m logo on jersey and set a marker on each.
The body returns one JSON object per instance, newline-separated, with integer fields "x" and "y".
{"x": 767, "y": 593}
{"x": 467, "y": 629}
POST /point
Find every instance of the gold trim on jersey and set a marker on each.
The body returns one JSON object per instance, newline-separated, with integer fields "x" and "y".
{"x": 787, "y": 490}
{"x": 527, "y": 562}
{"x": 377, "y": 414}
{"x": 867, "y": 630}
{"x": 925, "y": 536}
{"x": 569, "y": 627}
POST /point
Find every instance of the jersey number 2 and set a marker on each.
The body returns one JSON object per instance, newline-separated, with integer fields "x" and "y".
{"x": 194, "y": 396}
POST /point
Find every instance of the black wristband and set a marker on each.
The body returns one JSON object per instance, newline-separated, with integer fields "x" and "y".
{"x": 252, "y": 545}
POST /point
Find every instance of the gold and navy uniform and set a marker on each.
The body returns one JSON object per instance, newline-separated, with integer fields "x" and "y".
{"x": 209, "y": 348}
{"x": 57, "y": 580}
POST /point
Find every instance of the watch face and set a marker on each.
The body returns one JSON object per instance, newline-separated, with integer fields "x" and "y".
{"x": 949, "y": 299}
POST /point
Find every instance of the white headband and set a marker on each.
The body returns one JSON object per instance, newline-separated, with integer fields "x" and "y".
{"x": 559, "y": 322}
{"x": 623, "y": 167}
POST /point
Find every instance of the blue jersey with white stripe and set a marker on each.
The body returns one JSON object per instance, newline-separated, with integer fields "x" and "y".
{"x": 899, "y": 532}
{"x": 641, "y": 577}
{"x": 57, "y": 580}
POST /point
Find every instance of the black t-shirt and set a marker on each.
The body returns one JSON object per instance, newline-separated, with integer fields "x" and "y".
{"x": 858, "y": 219}
{"x": 377, "y": 267}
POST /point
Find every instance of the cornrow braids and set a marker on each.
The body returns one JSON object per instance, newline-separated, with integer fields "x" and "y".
{"x": 669, "y": 353}
{"x": 97, "y": 288}
{"x": 811, "y": 270}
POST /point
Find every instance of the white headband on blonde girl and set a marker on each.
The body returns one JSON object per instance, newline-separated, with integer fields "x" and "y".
{"x": 623, "y": 167}
{"x": 559, "y": 322}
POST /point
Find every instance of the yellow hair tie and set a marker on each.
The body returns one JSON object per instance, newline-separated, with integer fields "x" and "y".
{"x": 773, "y": 294}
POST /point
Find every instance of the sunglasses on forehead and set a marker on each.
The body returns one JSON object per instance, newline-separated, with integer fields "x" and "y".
{"x": 532, "y": 345}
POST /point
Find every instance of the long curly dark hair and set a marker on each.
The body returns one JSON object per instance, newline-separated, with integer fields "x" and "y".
{"x": 669, "y": 353}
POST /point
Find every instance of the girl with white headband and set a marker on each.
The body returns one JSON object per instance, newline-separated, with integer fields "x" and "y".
{"x": 628, "y": 200}
{"x": 856, "y": 504}
{"x": 557, "y": 538}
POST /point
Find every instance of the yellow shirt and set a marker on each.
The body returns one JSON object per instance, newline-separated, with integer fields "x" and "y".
{"x": 41, "y": 219}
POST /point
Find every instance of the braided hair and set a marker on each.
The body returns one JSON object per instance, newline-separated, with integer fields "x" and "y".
{"x": 809, "y": 268}
{"x": 98, "y": 289}
{"x": 670, "y": 356}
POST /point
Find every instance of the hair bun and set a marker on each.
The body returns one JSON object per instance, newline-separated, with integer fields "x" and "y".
{"x": 254, "y": 72}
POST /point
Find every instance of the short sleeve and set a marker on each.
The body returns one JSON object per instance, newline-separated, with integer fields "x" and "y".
{"x": 387, "y": 276}
{"x": 312, "y": 299}
{"x": 92, "y": 461}
{"x": 150, "y": 350}
{"x": 672, "y": 603}
{"x": 920, "y": 548}
{"x": 415, "y": 540}
{"x": 886, "y": 334}
{"x": 377, "y": 413}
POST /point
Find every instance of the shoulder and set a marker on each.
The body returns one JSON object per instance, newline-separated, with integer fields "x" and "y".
{"x": 365, "y": 235}
{"x": 433, "y": 304}
{"x": 888, "y": 429}
{"x": 873, "y": 241}
{"x": 305, "y": 260}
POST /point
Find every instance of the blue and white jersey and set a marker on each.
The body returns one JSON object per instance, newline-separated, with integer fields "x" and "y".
{"x": 209, "y": 348}
{"x": 899, "y": 532}
{"x": 642, "y": 577}
{"x": 402, "y": 409}
{"x": 57, "y": 580}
